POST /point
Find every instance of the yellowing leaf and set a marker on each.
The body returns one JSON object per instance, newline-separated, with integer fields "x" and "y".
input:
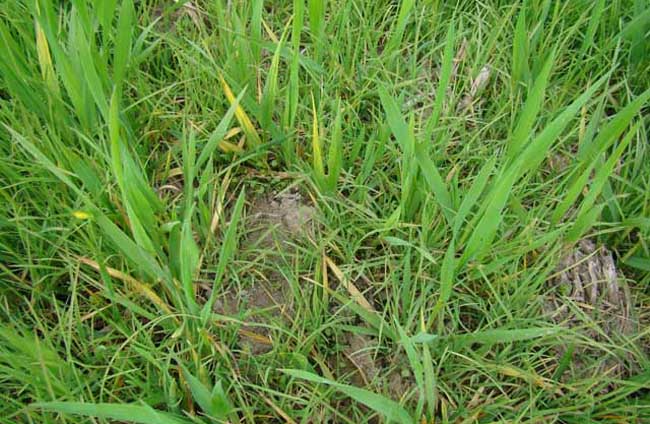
{"x": 529, "y": 377}
{"x": 251, "y": 133}
{"x": 351, "y": 288}
{"x": 316, "y": 145}
{"x": 139, "y": 287}
{"x": 229, "y": 147}
{"x": 45, "y": 60}
{"x": 232, "y": 132}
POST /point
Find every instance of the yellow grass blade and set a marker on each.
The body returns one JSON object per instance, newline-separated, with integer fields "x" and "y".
{"x": 270, "y": 32}
{"x": 45, "y": 60}
{"x": 252, "y": 137}
{"x": 317, "y": 150}
{"x": 231, "y": 133}
{"x": 228, "y": 147}
{"x": 287, "y": 419}
{"x": 257, "y": 337}
{"x": 530, "y": 377}
{"x": 356, "y": 295}
{"x": 139, "y": 287}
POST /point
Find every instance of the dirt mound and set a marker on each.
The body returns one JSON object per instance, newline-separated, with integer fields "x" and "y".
{"x": 278, "y": 219}
{"x": 274, "y": 222}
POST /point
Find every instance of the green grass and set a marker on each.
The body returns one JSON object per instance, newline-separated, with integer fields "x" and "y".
{"x": 441, "y": 209}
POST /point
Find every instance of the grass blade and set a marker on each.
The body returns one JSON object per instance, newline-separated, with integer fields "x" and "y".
{"x": 532, "y": 155}
{"x": 91, "y": 76}
{"x": 228, "y": 247}
{"x": 530, "y": 110}
{"x": 271, "y": 86}
{"x": 591, "y": 151}
{"x": 638, "y": 262}
{"x": 594, "y": 21}
{"x": 447, "y": 273}
{"x": 125, "y": 180}
{"x": 435, "y": 182}
{"x": 293, "y": 89}
{"x": 106, "y": 12}
{"x": 388, "y": 408}
{"x": 317, "y": 148}
{"x": 428, "y": 168}
{"x": 520, "y": 51}
{"x": 45, "y": 60}
{"x": 189, "y": 260}
{"x": 602, "y": 174}
{"x": 317, "y": 24}
{"x": 394, "y": 117}
{"x": 136, "y": 285}
{"x": 257, "y": 7}
{"x": 636, "y": 26}
{"x": 443, "y": 83}
{"x": 430, "y": 392}
{"x": 252, "y": 137}
{"x": 123, "y": 42}
{"x": 504, "y": 336}
{"x": 221, "y": 406}
{"x": 400, "y": 25}
{"x": 489, "y": 337}
{"x": 412, "y": 355}
{"x": 472, "y": 195}
{"x": 335, "y": 153}
{"x": 214, "y": 403}
{"x": 200, "y": 393}
{"x": 141, "y": 414}
{"x": 216, "y": 138}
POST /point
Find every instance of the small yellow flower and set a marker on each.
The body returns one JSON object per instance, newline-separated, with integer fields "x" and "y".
{"x": 81, "y": 215}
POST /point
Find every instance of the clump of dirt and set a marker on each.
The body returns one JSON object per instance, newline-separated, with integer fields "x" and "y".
{"x": 275, "y": 223}
{"x": 362, "y": 363}
{"x": 279, "y": 219}
{"x": 360, "y": 350}
{"x": 588, "y": 287}
{"x": 359, "y": 360}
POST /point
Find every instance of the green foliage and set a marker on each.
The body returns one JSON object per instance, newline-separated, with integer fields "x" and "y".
{"x": 444, "y": 157}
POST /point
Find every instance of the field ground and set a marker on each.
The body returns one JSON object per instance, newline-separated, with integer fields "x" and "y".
{"x": 324, "y": 211}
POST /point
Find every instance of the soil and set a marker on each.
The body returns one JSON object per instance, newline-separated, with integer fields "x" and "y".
{"x": 361, "y": 364}
{"x": 360, "y": 351}
{"x": 276, "y": 222}
{"x": 280, "y": 218}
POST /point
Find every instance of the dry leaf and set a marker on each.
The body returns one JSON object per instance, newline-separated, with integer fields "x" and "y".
{"x": 480, "y": 81}
{"x": 141, "y": 288}
{"x": 478, "y": 84}
{"x": 351, "y": 288}
{"x": 460, "y": 56}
